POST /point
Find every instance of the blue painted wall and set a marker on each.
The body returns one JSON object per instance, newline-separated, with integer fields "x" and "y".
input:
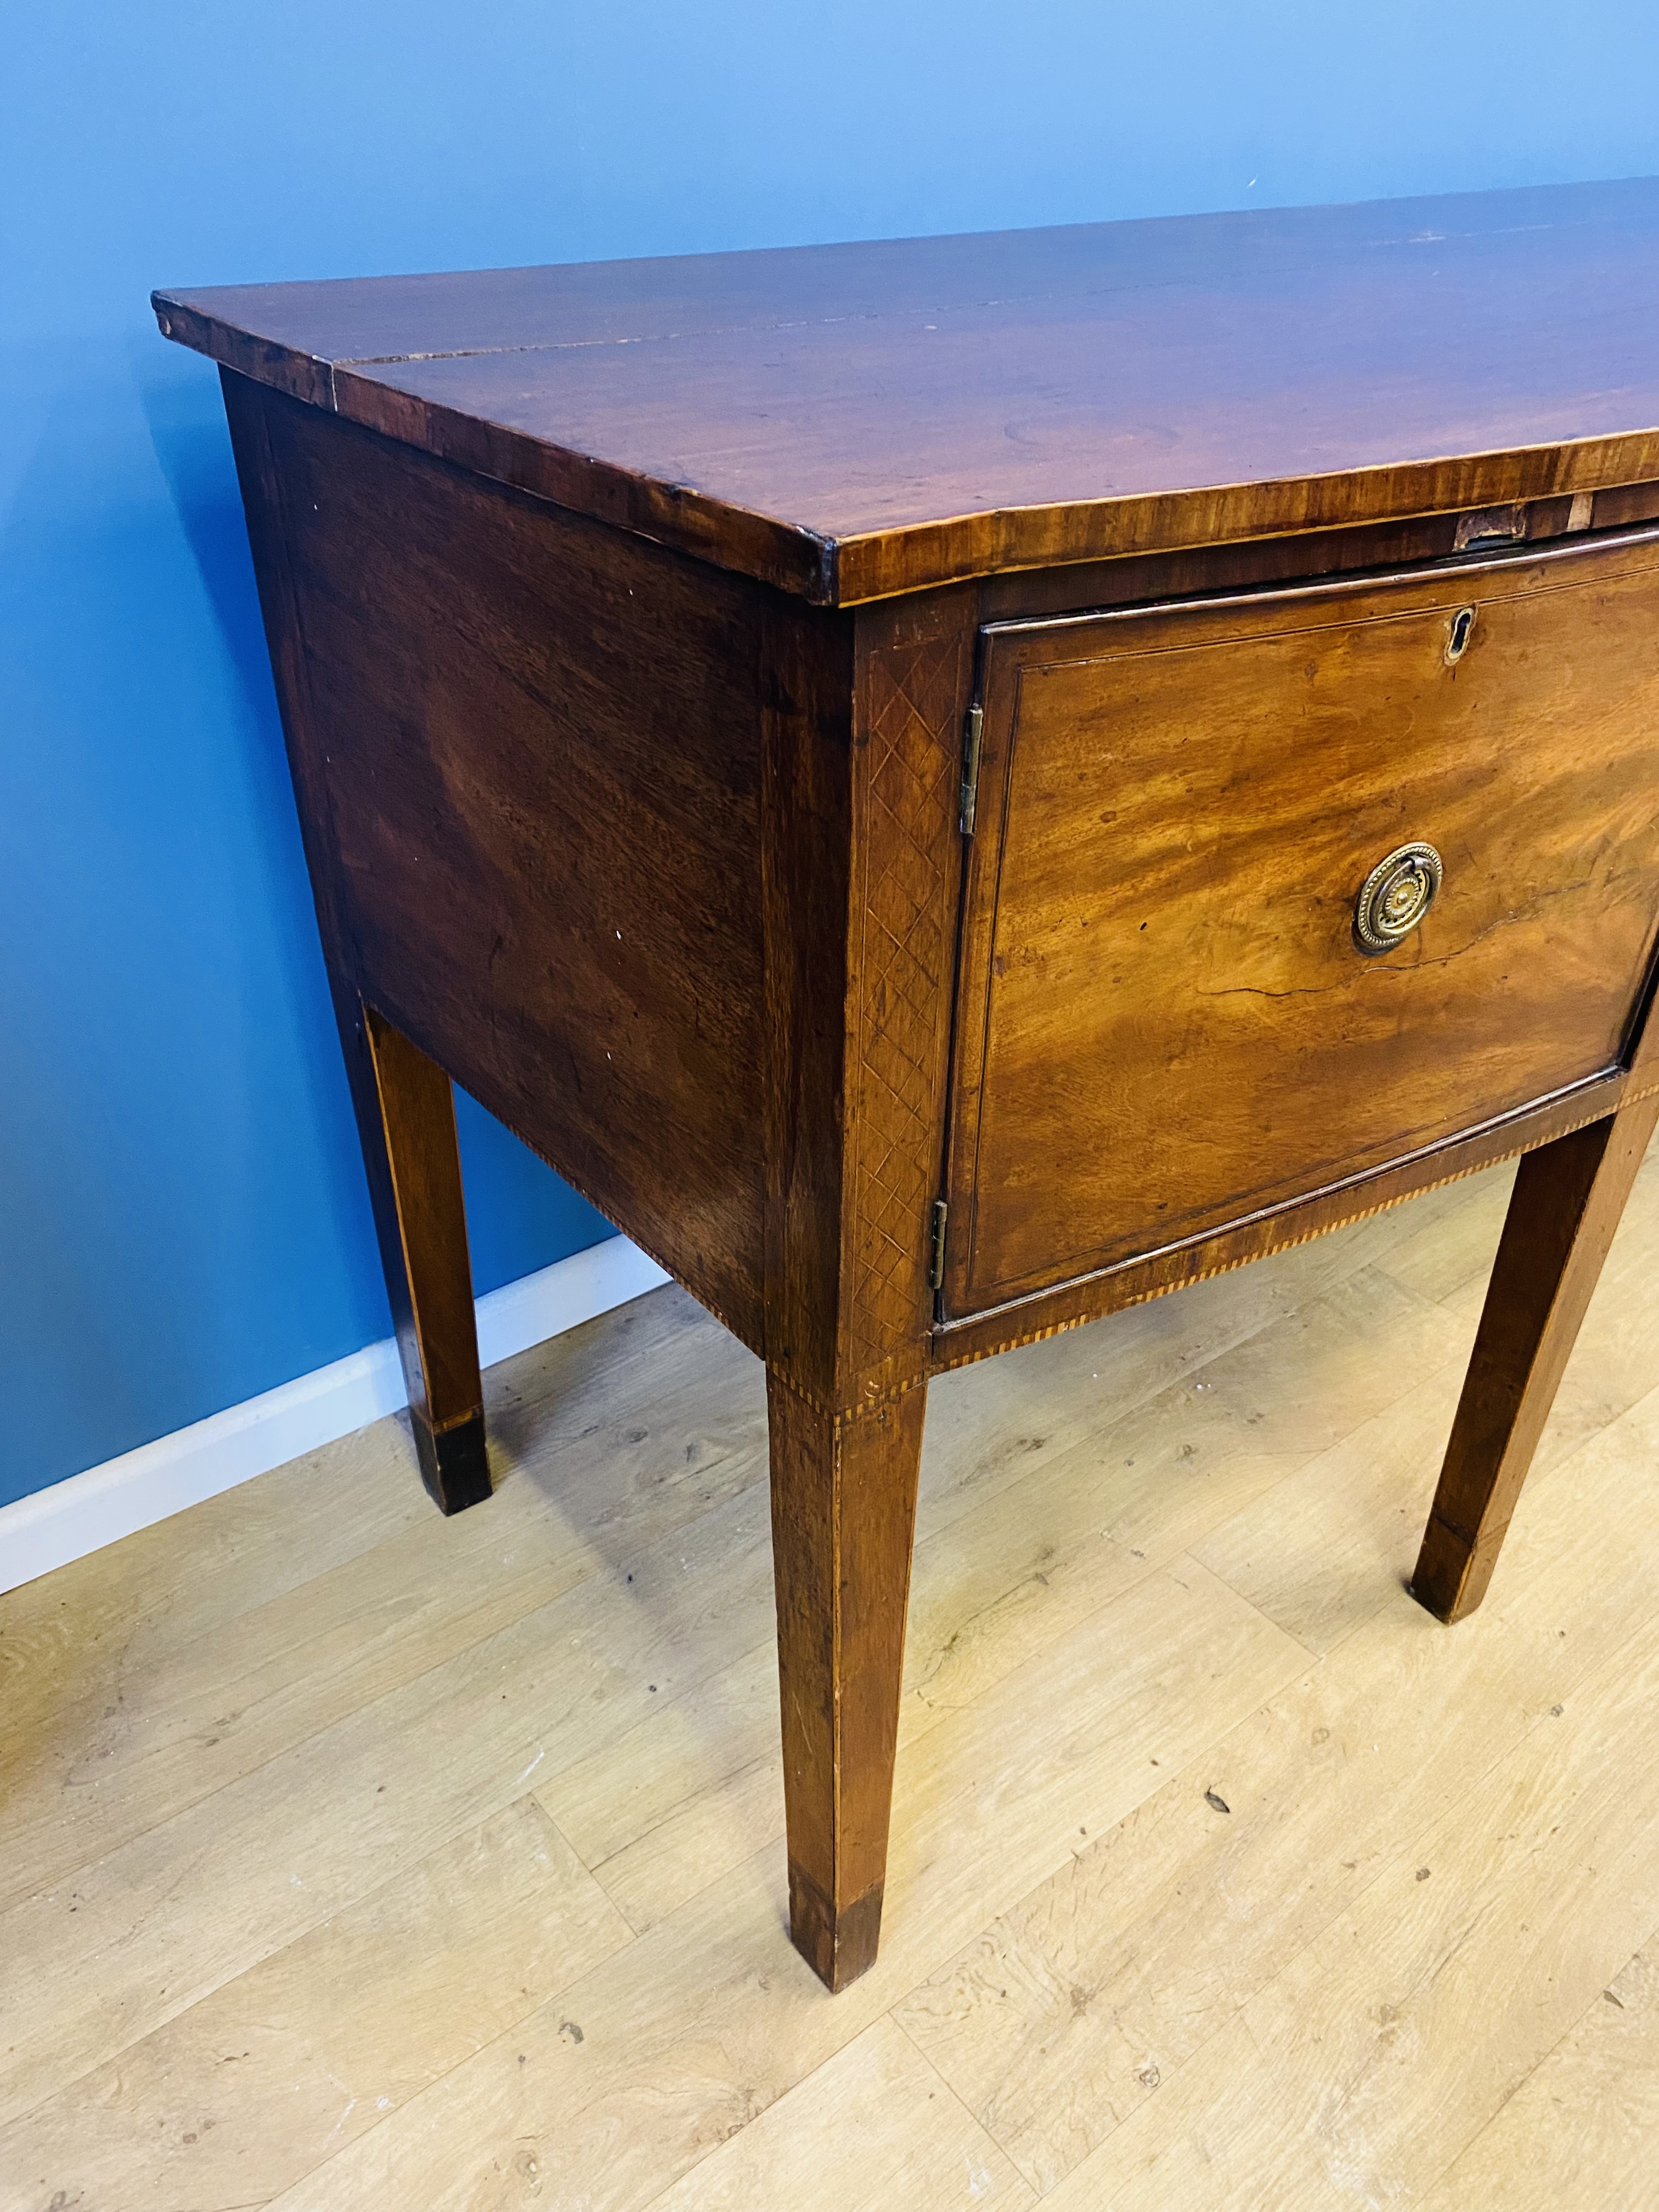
{"x": 182, "y": 1216}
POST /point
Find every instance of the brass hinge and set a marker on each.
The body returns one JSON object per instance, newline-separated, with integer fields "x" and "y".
{"x": 971, "y": 766}
{"x": 936, "y": 1272}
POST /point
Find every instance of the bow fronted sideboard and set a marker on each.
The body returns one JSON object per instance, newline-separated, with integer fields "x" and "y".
{"x": 954, "y": 785}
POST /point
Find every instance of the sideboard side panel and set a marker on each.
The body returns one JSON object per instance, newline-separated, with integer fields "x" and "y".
{"x": 526, "y": 751}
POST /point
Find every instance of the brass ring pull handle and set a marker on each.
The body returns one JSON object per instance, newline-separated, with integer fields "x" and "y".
{"x": 1395, "y": 897}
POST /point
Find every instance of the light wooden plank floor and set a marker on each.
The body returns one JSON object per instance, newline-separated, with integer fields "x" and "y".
{"x": 352, "y": 1858}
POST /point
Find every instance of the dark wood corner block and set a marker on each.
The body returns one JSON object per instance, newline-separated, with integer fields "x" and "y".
{"x": 954, "y": 785}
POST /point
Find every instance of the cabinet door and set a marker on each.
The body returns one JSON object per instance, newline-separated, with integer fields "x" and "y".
{"x": 1167, "y": 1022}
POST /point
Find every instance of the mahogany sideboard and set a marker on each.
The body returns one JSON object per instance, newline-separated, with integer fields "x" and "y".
{"x": 954, "y": 785}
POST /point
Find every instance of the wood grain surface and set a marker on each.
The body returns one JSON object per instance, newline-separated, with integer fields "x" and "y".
{"x": 624, "y": 619}
{"x": 850, "y": 421}
{"x": 1565, "y": 1206}
{"x": 1166, "y": 1023}
{"x": 324, "y": 1822}
{"x": 414, "y": 1165}
{"x": 844, "y": 1520}
{"x": 528, "y": 753}
{"x": 860, "y": 870}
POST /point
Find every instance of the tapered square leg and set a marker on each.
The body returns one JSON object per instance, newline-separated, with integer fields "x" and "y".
{"x": 406, "y": 1120}
{"x": 1565, "y": 1208}
{"x": 843, "y": 1516}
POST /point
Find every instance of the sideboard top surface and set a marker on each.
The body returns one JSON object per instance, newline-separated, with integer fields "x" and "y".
{"x": 849, "y": 422}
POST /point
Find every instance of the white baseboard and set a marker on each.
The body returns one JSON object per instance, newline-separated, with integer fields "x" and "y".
{"x": 71, "y": 1518}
